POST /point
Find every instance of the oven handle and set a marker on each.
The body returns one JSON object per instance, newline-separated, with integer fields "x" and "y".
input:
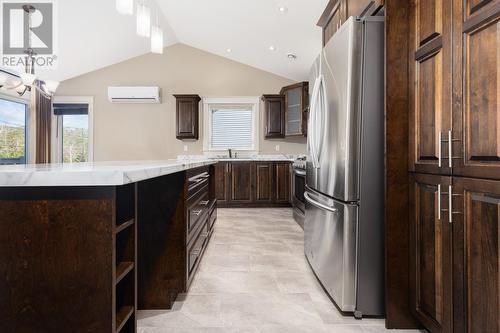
{"x": 300, "y": 172}
{"x": 319, "y": 204}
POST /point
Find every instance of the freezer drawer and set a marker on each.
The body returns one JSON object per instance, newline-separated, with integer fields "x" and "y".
{"x": 330, "y": 246}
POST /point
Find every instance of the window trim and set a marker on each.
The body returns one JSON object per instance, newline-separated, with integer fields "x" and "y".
{"x": 56, "y": 142}
{"x": 208, "y": 102}
{"x": 27, "y": 130}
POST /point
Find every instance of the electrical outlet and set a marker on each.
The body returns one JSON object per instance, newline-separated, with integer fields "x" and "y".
{"x": 277, "y": 147}
{"x": 185, "y": 148}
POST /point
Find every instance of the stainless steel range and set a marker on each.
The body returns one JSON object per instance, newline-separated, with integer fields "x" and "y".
{"x": 298, "y": 189}
{"x": 344, "y": 223}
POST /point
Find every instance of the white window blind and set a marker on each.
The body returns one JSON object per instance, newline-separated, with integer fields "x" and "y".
{"x": 232, "y": 127}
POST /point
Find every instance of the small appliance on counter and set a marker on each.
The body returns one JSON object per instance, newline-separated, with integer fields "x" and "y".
{"x": 298, "y": 189}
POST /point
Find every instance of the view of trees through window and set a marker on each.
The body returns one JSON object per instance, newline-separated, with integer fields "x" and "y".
{"x": 12, "y": 132}
{"x": 75, "y": 138}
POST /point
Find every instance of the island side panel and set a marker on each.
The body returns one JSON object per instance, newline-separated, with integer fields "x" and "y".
{"x": 161, "y": 241}
{"x": 56, "y": 259}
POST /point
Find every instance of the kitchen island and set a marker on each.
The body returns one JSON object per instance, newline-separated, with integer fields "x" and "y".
{"x": 84, "y": 246}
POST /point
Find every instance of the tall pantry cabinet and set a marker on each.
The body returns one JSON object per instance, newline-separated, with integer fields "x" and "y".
{"x": 454, "y": 164}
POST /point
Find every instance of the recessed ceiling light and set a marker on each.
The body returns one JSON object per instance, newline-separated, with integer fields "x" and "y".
{"x": 272, "y": 48}
{"x": 292, "y": 56}
{"x": 228, "y": 50}
{"x": 283, "y": 9}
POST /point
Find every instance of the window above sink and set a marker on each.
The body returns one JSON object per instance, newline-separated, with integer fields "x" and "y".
{"x": 231, "y": 123}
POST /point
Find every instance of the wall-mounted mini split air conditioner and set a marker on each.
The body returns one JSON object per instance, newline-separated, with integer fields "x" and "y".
{"x": 137, "y": 95}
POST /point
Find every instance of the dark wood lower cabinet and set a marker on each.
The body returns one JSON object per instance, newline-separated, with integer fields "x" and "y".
{"x": 282, "y": 182}
{"x": 241, "y": 181}
{"x": 455, "y": 262}
{"x": 253, "y": 184}
{"x": 476, "y": 206}
{"x": 221, "y": 180}
{"x": 431, "y": 253}
{"x": 85, "y": 259}
{"x": 264, "y": 182}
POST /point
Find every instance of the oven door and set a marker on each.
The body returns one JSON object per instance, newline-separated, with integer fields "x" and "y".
{"x": 299, "y": 186}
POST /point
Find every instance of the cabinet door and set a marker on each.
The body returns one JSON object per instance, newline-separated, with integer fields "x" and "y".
{"x": 241, "y": 182}
{"x": 187, "y": 108}
{"x": 275, "y": 116}
{"x": 476, "y": 86}
{"x": 430, "y": 91}
{"x": 221, "y": 180}
{"x": 264, "y": 182}
{"x": 363, "y": 7}
{"x": 476, "y": 255}
{"x": 282, "y": 182}
{"x": 431, "y": 253}
{"x": 332, "y": 18}
{"x": 296, "y": 106}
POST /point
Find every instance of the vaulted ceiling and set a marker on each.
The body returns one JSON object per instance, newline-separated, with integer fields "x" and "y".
{"x": 92, "y": 35}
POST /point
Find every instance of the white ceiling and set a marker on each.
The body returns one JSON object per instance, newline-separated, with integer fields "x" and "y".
{"x": 93, "y": 35}
{"x": 248, "y": 28}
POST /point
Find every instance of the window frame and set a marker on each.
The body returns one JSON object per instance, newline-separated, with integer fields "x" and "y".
{"x": 210, "y": 102}
{"x": 27, "y": 127}
{"x": 57, "y": 126}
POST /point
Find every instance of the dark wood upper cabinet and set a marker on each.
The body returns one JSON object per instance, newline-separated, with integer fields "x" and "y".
{"x": 264, "y": 182}
{"x": 430, "y": 94}
{"x": 332, "y": 18}
{"x": 274, "y": 106}
{"x": 296, "y": 108}
{"x": 476, "y": 86}
{"x": 476, "y": 206}
{"x": 187, "y": 116}
{"x": 431, "y": 252}
{"x": 363, "y": 7}
{"x": 338, "y": 11}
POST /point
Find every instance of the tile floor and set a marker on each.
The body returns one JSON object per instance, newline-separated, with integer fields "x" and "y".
{"x": 254, "y": 278}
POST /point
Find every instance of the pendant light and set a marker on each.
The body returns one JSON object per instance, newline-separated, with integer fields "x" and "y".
{"x": 157, "y": 37}
{"x": 143, "y": 20}
{"x": 156, "y": 40}
{"x": 125, "y": 7}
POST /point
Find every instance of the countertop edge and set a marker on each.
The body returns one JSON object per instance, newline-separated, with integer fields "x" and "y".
{"x": 94, "y": 178}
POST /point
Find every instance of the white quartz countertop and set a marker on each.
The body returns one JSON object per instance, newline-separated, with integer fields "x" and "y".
{"x": 93, "y": 174}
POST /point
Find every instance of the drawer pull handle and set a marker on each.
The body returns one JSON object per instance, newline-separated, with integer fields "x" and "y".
{"x": 197, "y": 212}
{"x": 204, "y": 202}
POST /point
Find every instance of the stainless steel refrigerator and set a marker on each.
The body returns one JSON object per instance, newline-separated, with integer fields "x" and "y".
{"x": 344, "y": 225}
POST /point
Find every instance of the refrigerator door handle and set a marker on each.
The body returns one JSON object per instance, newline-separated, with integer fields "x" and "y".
{"x": 317, "y": 123}
{"x": 319, "y": 204}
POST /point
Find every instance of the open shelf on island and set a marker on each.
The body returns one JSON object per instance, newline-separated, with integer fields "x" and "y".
{"x": 122, "y": 315}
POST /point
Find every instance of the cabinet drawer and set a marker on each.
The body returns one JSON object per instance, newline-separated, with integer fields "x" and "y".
{"x": 212, "y": 219}
{"x": 197, "y": 182}
{"x": 195, "y": 251}
{"x": 197, "y": 214}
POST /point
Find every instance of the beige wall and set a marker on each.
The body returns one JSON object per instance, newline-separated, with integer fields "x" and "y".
{"x": 147, "y": 131}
